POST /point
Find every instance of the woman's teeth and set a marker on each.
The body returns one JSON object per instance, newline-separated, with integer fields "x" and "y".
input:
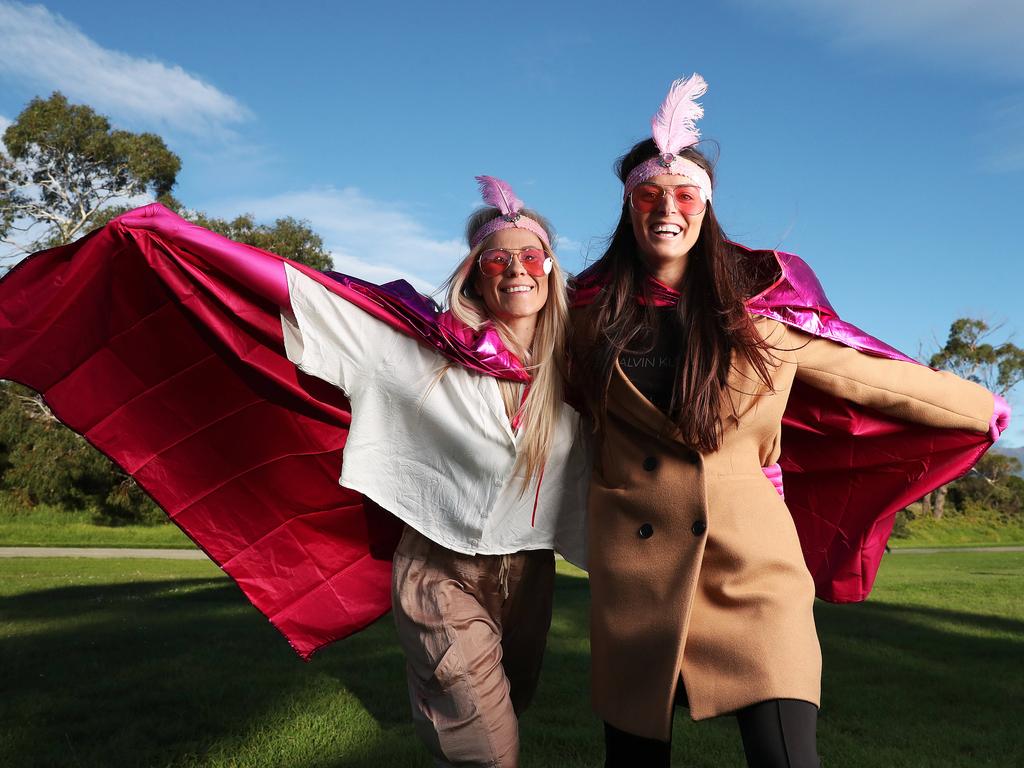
{"x": 517, "y": 289}
{"x": 667, "y": 230}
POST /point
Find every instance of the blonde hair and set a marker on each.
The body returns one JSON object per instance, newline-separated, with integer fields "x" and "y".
{"x": 545, "y": 358}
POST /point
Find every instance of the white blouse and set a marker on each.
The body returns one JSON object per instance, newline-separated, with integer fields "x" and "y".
{"x": 438, "y": 454}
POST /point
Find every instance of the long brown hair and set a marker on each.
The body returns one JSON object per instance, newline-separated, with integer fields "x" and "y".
{"x": 711, "y": 319}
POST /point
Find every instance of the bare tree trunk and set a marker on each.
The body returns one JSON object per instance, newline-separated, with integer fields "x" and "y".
{"x": 939, "y": 502}
{"x": 926, "y": 505}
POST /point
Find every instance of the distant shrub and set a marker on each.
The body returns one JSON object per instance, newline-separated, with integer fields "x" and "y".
{"x": 44, "y": 462}
{"x": 900, "y": 528}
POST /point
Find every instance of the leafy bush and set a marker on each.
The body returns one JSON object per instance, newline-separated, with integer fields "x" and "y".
{"x": 900, "y": 527}
{"x": 44, "y": 462}
{"x": 992, "y": 488}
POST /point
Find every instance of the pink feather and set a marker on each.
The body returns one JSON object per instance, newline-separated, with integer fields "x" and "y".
{"x": 673, "y": 127}
{"x": 499, "y": 194}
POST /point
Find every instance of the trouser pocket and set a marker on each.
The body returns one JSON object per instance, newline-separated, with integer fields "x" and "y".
{"x": 447, "y": 716}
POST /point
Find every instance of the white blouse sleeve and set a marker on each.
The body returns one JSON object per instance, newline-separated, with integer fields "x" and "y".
{"x": 330, "y": 338}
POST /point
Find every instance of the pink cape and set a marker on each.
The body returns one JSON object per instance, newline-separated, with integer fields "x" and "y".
{"x": 174, "y": 368}
{"x": 847, "y": 469}
{"x": 154, "y": 339}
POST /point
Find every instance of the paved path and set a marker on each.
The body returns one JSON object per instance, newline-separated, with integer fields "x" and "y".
{"x": 196, "y": 554}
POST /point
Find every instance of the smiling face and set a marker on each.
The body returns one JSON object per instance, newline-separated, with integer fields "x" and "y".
{"x": 665, "y": 234}
{"x": 513, "y": 295}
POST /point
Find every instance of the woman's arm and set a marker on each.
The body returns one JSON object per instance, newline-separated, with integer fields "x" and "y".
{"x": 906, "y": 390}
{"x": 329, "y": 337}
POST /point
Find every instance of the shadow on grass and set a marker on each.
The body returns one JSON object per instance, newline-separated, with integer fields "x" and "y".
{"x": 186, "y": 673}
{"x": 183, "y": 672}
{"x": 924, "y": 686}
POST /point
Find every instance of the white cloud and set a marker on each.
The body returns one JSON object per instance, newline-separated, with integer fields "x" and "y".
{"x": 4, "y": 122}
{"x": 983, "y": 35}
{"x": 48, "y": 52}
{"x": 373, "y": 239}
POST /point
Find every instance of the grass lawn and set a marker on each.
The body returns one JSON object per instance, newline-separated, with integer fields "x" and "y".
{"x": 163, "y": 663}
{"x": 45, "y": 526}
{"x": 958, "y": 531}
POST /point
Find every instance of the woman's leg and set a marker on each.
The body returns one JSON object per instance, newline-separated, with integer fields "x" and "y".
{"x": 625, "y": 750}
{"x": 780, "y": 733}
{"x": 448, "y": 611}
{"x": 525, "y": 620}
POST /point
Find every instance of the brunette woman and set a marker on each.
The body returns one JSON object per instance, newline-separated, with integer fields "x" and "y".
{"x": 701, "y": 593}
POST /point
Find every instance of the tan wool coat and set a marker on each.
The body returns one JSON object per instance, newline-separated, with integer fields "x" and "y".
{"x": 695, "y": 566}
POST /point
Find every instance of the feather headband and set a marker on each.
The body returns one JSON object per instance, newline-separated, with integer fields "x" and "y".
{"x": 498, "y": 194}
{"x": 674, "y": 127}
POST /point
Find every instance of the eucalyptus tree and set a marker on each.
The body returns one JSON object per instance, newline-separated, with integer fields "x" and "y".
{"x": 62, "y": 164}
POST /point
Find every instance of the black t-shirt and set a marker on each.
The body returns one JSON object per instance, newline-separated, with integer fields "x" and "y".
{"x": 655, "y": 373}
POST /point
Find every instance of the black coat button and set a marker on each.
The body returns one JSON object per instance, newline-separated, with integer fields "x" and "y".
{"x": 699, "y": 527}
{"x": 650, "y": 463}
{"x": 646, "y": 531}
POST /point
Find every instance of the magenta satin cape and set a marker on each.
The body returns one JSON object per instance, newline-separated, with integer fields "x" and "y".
{"x": 160, "y": 343}
{"x": 148, "y": 338}
{"x": 847, "y": 469}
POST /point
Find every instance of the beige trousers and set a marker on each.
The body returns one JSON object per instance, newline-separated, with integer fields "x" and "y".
{"x": 473, "y": 629}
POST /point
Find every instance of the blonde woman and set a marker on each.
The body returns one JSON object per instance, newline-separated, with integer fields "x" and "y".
{"x": 486, "y": 473}
{"x": 182, "y": 369}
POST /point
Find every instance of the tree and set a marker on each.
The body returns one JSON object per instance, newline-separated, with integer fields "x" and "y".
{"x": 288, "y": 237}
{"x": 969, "y": 354}
{"x": 992, "y": 487}
{"x": 44, "y": 462}
{"x": 65, "y": 171}
{"x": 63, "y": 164}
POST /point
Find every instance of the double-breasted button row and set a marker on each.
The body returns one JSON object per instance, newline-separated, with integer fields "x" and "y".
{"x": 646, "y": 530}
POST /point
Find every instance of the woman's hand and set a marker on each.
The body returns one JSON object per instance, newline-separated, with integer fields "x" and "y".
{"x": 774, "y": 473}
{"x": 1000, "y": 418}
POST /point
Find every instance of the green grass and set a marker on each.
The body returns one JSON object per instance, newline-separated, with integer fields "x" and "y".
{"x": 46, "y": 526}
{"x": 163, "y": 663}
{"x": 958, "y": 531}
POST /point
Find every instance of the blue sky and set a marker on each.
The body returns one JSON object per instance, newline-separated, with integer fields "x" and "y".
{"x": 881, "y": 141}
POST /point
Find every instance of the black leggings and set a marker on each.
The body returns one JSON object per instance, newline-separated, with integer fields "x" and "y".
{"x": 779, "y": 733}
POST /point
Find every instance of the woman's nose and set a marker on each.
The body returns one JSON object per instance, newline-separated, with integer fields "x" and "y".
{"x": 668, "y": 203}
{"x": 515, "y": 267}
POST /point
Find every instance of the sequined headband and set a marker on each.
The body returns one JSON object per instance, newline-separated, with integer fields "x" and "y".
{"x": 674, "y": 128}
{"x": 499, "y": 194}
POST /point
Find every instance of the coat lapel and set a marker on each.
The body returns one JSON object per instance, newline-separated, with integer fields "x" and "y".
{"x": 626, "y": 400}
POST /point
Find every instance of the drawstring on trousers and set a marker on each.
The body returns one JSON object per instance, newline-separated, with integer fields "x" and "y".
{"x": 503, "y": 572}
